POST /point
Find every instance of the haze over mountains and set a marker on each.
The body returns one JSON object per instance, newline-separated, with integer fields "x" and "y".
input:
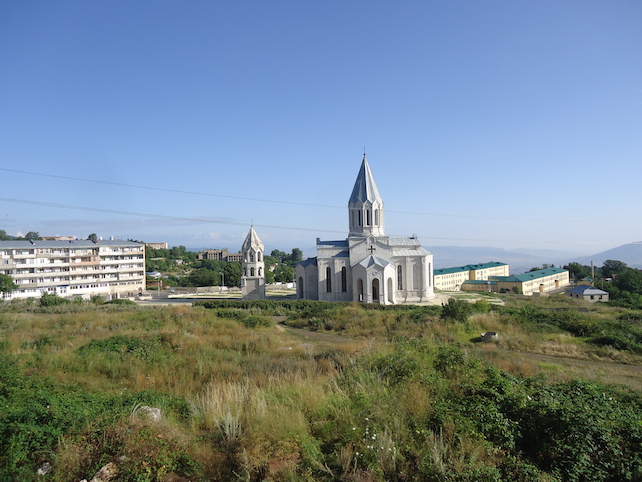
{"x": 520, "y": 260}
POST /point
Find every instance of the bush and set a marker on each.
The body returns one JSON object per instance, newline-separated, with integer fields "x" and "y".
{"x": 52, "y": 299}
{"x": 456, "y": 310}
{"x": 120, "y": 301}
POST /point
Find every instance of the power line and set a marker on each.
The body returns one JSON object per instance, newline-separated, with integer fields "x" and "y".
{"x": 295, "y": 203}
{"x": 270, "y": 226}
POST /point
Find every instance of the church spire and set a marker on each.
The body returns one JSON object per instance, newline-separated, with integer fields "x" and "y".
{"x": 366, "y": 204}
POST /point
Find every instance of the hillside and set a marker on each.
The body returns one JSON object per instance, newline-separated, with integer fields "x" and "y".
{"x": 631, "y": 254}
{"x": 332, "y": 392}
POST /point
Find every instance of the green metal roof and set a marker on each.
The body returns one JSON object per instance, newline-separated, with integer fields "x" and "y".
{"x": 469, "y": 267}
{"x": 532, "y": 275}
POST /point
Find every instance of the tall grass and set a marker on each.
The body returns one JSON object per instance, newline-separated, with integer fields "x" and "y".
{"x": 405, "y": 397}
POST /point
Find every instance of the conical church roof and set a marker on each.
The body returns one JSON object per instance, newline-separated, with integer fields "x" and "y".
{"x": 252, "y": 240}
{"x": 365, "y": 187}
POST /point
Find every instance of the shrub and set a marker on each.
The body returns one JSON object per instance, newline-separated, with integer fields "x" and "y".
{"x": 120, "y": 301}
{"x": 47, "y": 299}
{"x": 456, "y": 310}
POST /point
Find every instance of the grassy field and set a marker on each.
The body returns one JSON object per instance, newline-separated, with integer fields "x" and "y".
{"x": 287, "y": 390}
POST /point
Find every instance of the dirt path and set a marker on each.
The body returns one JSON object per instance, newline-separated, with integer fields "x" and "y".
{"x": 329, "y": 339}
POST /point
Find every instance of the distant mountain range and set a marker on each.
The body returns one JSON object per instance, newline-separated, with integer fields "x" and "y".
{"x": 520, "y": 260}
{"x": 631, "y": 254}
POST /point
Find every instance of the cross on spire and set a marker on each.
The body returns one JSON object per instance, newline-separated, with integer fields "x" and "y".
{"x": 372, "y": 249}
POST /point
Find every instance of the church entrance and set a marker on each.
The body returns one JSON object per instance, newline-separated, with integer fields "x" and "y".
{"x": 375, "y": 290}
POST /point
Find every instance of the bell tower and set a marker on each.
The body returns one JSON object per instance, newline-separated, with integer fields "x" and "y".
{"x": 365, "y": 207}
{"x": 253, "y": 267}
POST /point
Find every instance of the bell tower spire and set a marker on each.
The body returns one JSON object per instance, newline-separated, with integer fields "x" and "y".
{"x": 365, "y": 207}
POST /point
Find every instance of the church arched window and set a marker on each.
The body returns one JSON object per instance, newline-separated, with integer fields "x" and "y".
{"x": 252, "y": 271}
{"x": 258, "y": 256}
{"x": 359, "y": 215}
{"x": 376, "y": 217}
{"x": 368, "y": 217}
{"x": 260, "y": 271}
{"x": 399, "y": 277}
{"x": 251, "y": 256}
{"x": 344, "y": 280}
{"x": 244, "y": 271}
{"x": 328, "y": 280}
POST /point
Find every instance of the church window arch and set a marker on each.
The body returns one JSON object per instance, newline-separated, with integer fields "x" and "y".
{"x": 328, "y": 280}
{"x": 376, "y": 290}
{"x": 360, "y": 289}
{"x": 299, "y": 288}
{"x": 244, "y": 271}
{"x": 260, "y": 271}
{"x": 399, "y": 277}
{"x": 252, "y": 271}
{"x": 376, "y": 217}
{"x": 359, "y": 216}
{"x": 344, "y": 280}
{"x": 251, "y": 256}
{"x": 368, "y": 217}
{"x": 390, "y": 293}
{"x": 258, "y": 256}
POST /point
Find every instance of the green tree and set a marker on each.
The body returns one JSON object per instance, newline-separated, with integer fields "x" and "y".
{"x": 6, "y": 284}
{"x": 578, "y": 271}
{"x": 32, "y": 236}
{"x": 4, "y": 236}
{"x": 544, "y": 266}
{"x": 296, "y": 256}
{"x": 629, "y": 280}
{"x": 233, "y": 274}
{"x": 203, "y": 277}
{"x": 284, "y": 273}
{"x": 92, "y": 237}
{"x": 269, "y": 276}
{"x": 279, "y": 255}
{"x": 613, "y": 267}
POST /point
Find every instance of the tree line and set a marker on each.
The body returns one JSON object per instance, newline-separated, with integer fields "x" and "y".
{"x": 183, "y": 268}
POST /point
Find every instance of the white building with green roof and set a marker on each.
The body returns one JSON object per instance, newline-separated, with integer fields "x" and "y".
{"x": 532, "y": 283}
{"x": 452, "y": 279}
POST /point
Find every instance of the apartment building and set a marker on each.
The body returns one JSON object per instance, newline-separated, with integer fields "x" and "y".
{"x": 452, "y": 279}
{"x": 74, "y": 268}
{"x": 220, "y": 255}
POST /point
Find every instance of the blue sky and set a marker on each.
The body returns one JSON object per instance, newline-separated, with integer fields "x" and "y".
{"x": 494, "y": 123}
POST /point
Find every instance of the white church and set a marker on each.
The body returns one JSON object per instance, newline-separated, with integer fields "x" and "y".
{"x": 368, "y": 267}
